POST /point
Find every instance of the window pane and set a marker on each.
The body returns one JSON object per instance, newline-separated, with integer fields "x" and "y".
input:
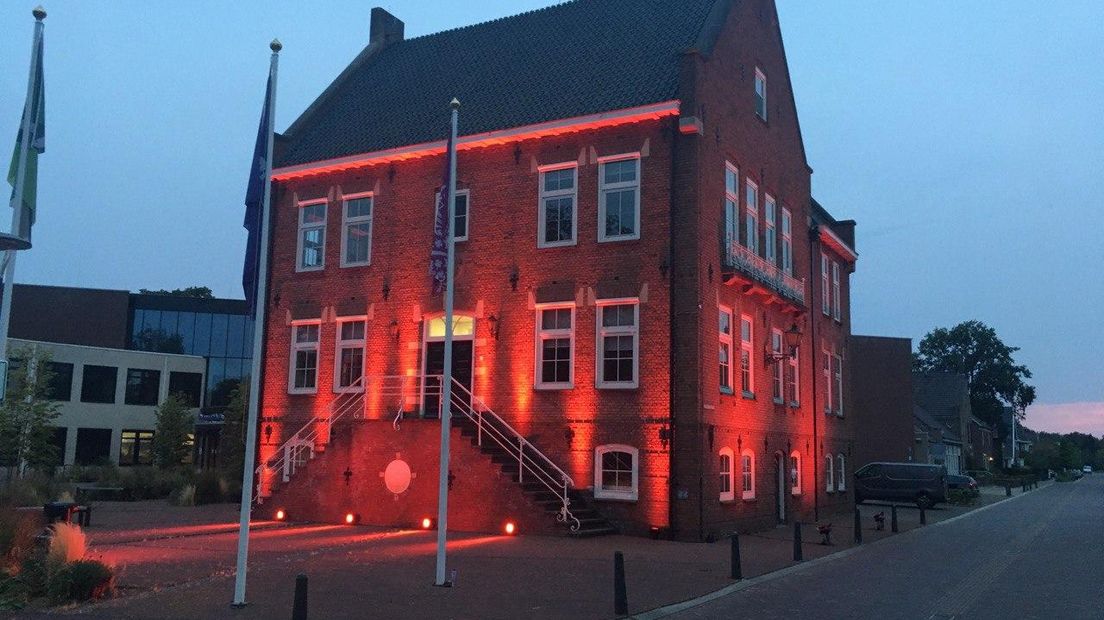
{"x": 352, "y": 330}
{"x": 726, "y": 322}
{"x": 186, "y": 328}
{"x": 461, "y": 212}
{"x": 358, "y": 207}
{"x": 352, "y": 366}
{"x": 306, "y": 333}
{"x": 235, "y": 337}
{"x": 558, "y": 216}
{"x": 620, "y": 212}
{"x": 220, "y": 324}
{"x": 186, "y": 386}
{"x": 314, "y": 214}
{"x": 202, "y": 344}
{"x": 142, "y": 386}
{"x": 623, "y": 171}
{"x": 98, "y": 384}
{"x": 559, "y": 318}
{"x": 621, "y": 315}
{"x": 556, "y": 360}
{"x": 358, "y": 239}
{"x": 313, "y": 240}
{"x": 60, "y": 386}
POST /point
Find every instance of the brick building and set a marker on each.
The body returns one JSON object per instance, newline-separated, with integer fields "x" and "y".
{"x": 636, "y": 247}
{"x": 882, "y": 403}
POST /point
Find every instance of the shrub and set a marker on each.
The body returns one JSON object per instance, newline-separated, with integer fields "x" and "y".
{"x": 149, "y": 482}
{"x": 208, "y": 488}
{"x": 81, "y": 581}
{"x": 17, "y": 535}
{"x": 33, "y": 575}
{"x": 68, "y": 544}
{"x": 961, "y": 497}
{"x": 184, "y": 496}
{"x": 13, "y": 594}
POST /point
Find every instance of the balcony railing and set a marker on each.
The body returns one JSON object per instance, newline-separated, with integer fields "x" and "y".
{"x": 764, "y": 272}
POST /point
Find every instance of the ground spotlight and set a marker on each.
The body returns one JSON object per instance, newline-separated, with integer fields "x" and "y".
{"x": 509, "y": 528}
{"x": 281, "y": 515}
{"x": 351, "y": 518}
{"x": 427, "y": 523}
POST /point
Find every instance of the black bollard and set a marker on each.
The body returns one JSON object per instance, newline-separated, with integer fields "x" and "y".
{"x": 299, "y": 606}
{"x": 737, "y": 570}
{"x": 893, "y": 519}
{"x": 797, "y": 542}
{"x": 1008, "y": 490}
{"x": 858, "y": 527}
{"x": 620, "y": 595}
{"x": 923, "y": 516}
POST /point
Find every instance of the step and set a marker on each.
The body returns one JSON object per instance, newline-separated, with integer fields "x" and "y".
{"x": 593, "y": 531}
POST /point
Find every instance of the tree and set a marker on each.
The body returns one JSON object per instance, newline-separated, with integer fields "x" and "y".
{"x": 26, "y": 417}
{"x": 973, "y": 349}
{"x": 170, "y": 439}
{"x": 232, "y": 439}
{"x": 199, "y": 292}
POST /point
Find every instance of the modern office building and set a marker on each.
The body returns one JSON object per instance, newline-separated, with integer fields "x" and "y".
{"x": 133, "y": 331}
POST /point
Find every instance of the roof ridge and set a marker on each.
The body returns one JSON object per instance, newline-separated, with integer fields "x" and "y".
{"x": 488, "y": 22}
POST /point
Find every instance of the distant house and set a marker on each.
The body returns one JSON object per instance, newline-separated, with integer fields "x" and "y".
{"x": 945, "y": 396}
{"x": 936, "y": 442}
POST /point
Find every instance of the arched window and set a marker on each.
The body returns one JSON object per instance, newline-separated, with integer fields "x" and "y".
{"x": 841, "y": 473}
{"x": 747, "y": 474}
{"x": 728, "y": 492}
{"x": 829, "y": 473}
{"x": 795, "y": 473}
{"x": 616, "y": 471}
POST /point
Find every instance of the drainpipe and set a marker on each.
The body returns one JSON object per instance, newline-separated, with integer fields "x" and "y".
{"x": 814, "y": 355}
{"x": 672, "y": 488}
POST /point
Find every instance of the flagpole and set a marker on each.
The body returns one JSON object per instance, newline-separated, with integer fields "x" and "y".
{"x": 258, "y": 341}
{"x": 20, "y": 178}
{"x": 446, "y": 377}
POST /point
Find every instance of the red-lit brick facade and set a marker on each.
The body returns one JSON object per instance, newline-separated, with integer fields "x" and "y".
{"x": 679, "y": 271}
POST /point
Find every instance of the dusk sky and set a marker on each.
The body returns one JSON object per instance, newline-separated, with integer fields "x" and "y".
{"x": 965, "y": 139}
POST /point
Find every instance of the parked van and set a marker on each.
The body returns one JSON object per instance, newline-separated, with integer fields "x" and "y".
{"x": 911, "y": 482}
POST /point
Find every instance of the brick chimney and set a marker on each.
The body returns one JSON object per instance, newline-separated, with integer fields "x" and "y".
{"x": 385, "y": 29}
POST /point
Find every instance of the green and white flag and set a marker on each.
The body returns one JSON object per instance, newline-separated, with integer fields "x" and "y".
{"x": 36, "y": 145}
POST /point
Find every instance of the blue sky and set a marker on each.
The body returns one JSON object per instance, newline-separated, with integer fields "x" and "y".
{"x": 965, "y": 138}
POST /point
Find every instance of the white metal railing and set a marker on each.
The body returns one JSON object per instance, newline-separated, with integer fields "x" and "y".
{"x": 533, "y": 465}
{"x": 301, "y": 445}
{"x": 764, "y": 271}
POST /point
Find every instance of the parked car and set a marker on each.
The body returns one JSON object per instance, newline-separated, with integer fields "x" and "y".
{"x": 965, "y": 483}
{"x": 926, "y": 485}
{"x": 1087, "y": 469}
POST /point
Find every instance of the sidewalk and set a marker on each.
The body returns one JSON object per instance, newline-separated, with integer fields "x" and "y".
{"x": 358, "y": 572}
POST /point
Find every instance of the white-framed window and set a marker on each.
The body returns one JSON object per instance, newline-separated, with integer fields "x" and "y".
{"x": 619, "y": 198}
{"x": 312, "y": 236}
{"x": 828, "y": 381}
{"x": 825, "y": 292}
{"x": 728, "y": 491}
{"x": 751, "y": 222}
{"x": 770, "y": 237}
{"x": 836, "y": 311}
{"x": 724, "y": 333}
{"x": 732, "y": 200}
{"x": 349, "y": 354}
{"x": 837, "y": 382}
{"x": 795, "y": 473}
{"x": 793, "y": 391}
{"x": 760, "y": 93}
{"x": 778, "y": 378}
{"x": 618, "y": 343}
{"x": 747, "y": 474}
{"x": 616, "y": 472}
{"x": 556, "y": 219}
{"x": 829, "y": 473}
{"x": 461, "y": 213}
{"x": 787, "y": 242}
{"x": 356, "y": 230}
{"x": 555, "y": 346}
{"x": 303, "y": 373}
{"x": 747, "y": 368}
{"x": 841, "y": 473}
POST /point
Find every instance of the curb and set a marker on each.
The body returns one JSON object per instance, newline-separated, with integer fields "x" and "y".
{"x": 674, "y": 608}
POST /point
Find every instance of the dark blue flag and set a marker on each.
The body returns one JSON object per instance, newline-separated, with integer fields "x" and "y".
{"x": 438, "y": 254}
{"x": 254, "y": 199}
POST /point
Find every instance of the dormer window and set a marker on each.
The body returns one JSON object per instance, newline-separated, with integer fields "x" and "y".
{"x": 760, "y": 93}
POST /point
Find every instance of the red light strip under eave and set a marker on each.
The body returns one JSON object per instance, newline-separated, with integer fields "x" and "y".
{"x": 491, "y": 138}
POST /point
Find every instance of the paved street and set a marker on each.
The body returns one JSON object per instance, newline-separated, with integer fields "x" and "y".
{"x": 1039, "y": 556}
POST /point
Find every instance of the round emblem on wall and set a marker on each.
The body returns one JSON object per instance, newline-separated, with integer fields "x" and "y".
{"x": 396, "y": 477}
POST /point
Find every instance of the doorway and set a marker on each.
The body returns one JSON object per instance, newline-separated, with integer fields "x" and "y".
{"x": 433, "y": 360}
{"x": 780, "y": 476}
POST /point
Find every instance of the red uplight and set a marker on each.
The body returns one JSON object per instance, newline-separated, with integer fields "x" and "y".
{"x": 280, "y": 515}
{"x": 509, "y": 528}
{"x": 350, "y": 518}
{"x": 427, "y": 523}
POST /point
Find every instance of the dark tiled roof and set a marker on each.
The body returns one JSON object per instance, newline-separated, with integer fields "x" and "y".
{"x": 563, "y": 61}
{"x": 940, "y": 393}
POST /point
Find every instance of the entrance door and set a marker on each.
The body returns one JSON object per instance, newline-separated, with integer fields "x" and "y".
{"x": 780, "y": 467}
{"x": 435, "y": 365}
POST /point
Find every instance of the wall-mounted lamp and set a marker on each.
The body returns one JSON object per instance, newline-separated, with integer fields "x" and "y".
{"x": 791, "y": 339}
{"x": 348, "y": 474}
{"x": 664, "y": 436}
{"x": 493, "y": 320}
{"x": 393, "y": 327}
{"x": 514, "y": 278}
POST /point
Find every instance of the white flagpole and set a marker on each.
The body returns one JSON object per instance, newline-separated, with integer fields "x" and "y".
{"x": 446, "y": 377}
{"x": 20, "y": 178}
{"x": 258, "y": 342}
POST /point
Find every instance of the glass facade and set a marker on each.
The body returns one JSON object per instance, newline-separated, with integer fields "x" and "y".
{"x": 224, "y": 338}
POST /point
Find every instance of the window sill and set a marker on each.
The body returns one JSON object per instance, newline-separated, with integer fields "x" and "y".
{"x": 795, "y": 405}
{"x": 616, "y": 239}
{"x": 725, "y": 390}
{"x": 778, "y": 401}
{"x": 553, "y": 387}
{"x": 617, "y": 386}
{"x": 302, "y": 392}
{"x": 748, "y": 395}
{"x": 606, "y": 497}
{"x": 557, "y": 244}
{"x": 748, "y": 498}
{"x": 728, "y": 500}
{"x": 355, "y": 265}
{"x": 346, "y": 390}
{"x": 309, "y": 269}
